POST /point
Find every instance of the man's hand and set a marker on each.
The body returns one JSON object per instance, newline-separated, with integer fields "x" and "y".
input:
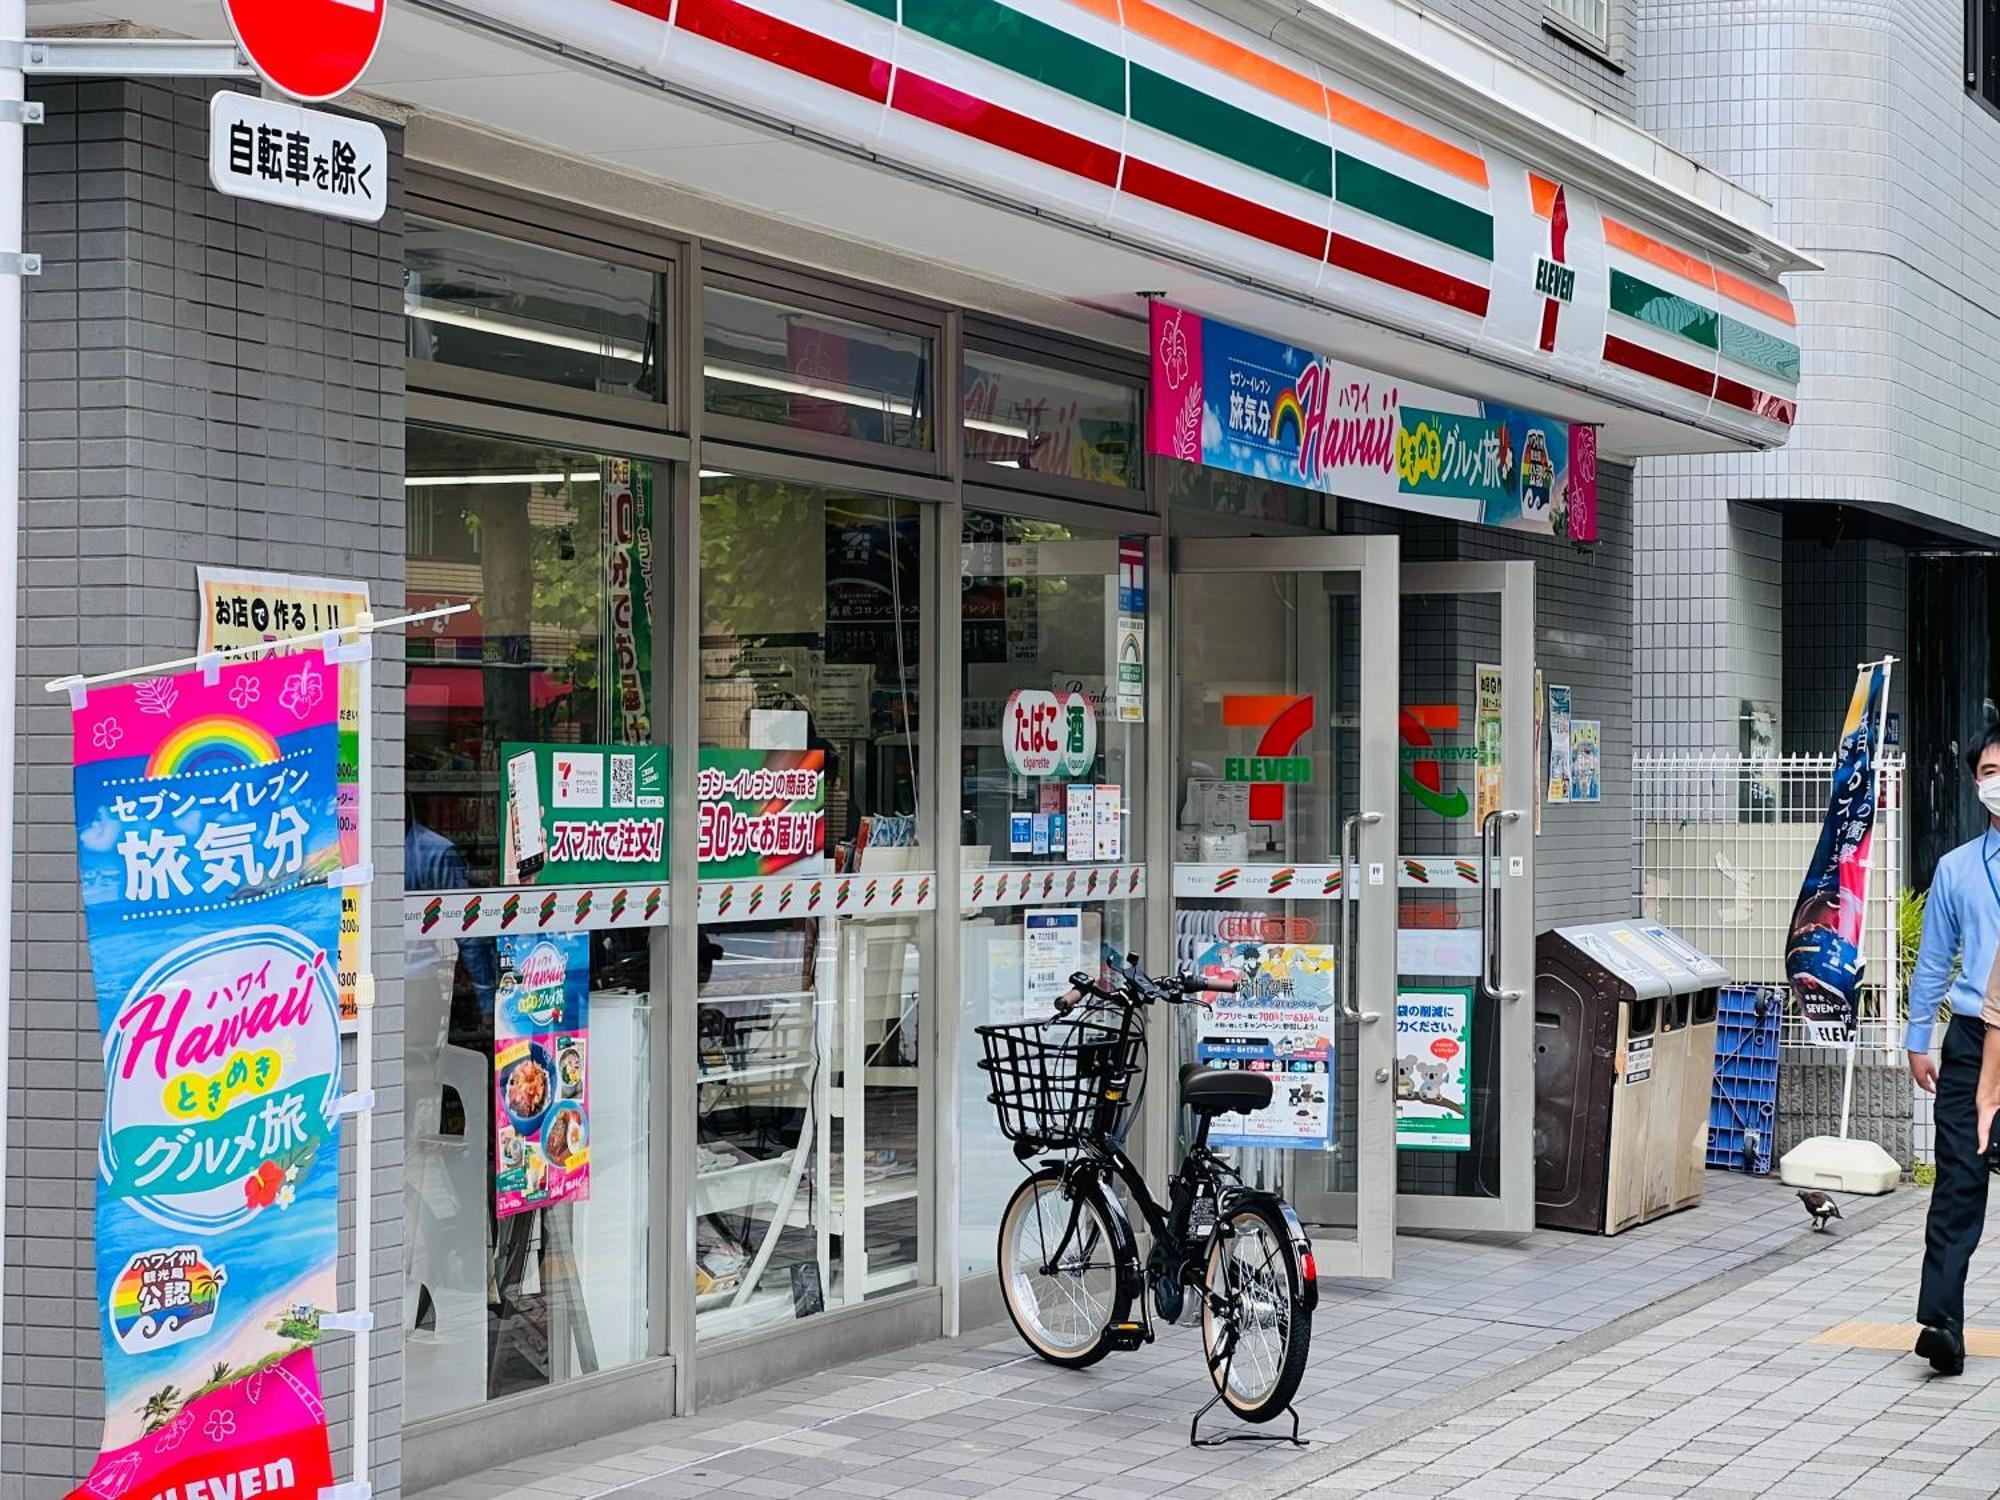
{"x": 1985, "y": 1137}
{"x": 1923, "y": 1068}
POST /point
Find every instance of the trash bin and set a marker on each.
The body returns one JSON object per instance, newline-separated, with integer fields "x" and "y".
{"x": 1624, "y": 1058}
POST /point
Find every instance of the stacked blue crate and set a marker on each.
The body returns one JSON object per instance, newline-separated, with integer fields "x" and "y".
{"x": 1744, "y": 1105}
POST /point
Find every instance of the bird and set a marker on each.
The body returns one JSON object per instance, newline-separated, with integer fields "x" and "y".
{"x": 1821, "y": 1207}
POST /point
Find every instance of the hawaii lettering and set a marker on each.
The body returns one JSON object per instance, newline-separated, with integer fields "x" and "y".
{"x": 274, "y": 1478}
{"x": 1345, "y": 428}
{"x": 159, "y": 1024}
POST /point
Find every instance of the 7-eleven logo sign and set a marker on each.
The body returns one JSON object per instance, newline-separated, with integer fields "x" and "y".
{"x": 1423, "y": 757}
{"x": 1284, "y": 720}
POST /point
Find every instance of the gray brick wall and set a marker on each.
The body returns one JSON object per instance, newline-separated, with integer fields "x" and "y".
{"x": 208, "y": 381}
{"x": 1516, "y": 28}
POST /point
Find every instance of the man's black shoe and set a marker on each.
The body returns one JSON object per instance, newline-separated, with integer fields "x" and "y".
{"x": 1944, "y": 1349}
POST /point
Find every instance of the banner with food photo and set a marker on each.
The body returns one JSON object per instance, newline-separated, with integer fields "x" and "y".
{"x": 207, "y": 816}
{"x": 541, "y": 1062}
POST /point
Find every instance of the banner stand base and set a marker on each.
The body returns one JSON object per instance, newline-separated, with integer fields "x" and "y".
{"x": 1840, "y": 1166}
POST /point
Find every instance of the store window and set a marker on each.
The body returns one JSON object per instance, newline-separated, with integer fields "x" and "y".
{"x": 528, "y": 1028}
{"x": 480, "y": 301}
{"x": 795, "y": 366}
{"x": 810, "y": 1022}
{"x": 1055, "y": 423}
{"x": 1195, "y": 493}
{"x": 1052, "y": 794}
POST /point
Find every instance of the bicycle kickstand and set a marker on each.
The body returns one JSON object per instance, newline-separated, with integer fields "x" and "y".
{"x": 1196, "y": 1440}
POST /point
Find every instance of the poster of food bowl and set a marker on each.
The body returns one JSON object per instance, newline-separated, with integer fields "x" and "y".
{"x": 579, "y": 814}
{"x": 207, "y": 825}
{"x": 541, "y": 1072}
{"x": 762, "y": 813}
{"x": 1279, "y": 1022}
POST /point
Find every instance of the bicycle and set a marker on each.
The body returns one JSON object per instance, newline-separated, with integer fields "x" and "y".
{"x": 1069, "y": 1263}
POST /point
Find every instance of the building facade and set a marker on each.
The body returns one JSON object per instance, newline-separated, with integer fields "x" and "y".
{"x": 777, "y": 385}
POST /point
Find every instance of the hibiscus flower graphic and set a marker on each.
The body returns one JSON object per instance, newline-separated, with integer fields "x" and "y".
{"x": 172, "y": 1437}
{"x": 1173, "y": 353}
{"x": 302, "y": 693}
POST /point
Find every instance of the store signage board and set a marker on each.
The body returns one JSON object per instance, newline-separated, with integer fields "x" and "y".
{"x": 1236, "y": 400}
{"x": 310, "y": 49}
{"x": 574, "y": 814}
{"x": 1049, "y": 734}
{"x": 297, "y": 158}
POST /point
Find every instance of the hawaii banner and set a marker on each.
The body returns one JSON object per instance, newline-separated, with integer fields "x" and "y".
{"x": 207, "y": 827}
{"x": 1823, "y": 953}
{"x": 1236, "y": 400}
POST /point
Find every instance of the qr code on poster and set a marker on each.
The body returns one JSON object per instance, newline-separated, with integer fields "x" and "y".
{"x": 624, "y": 781}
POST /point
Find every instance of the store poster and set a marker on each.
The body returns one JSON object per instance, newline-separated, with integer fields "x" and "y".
{"x": 576, "y": 814}
{"x": 1280, "y": 1022}
{"x": 628, "y": 588}
{"x": 1131, "y": 637}
{"x": 760, "y": 813}
{"x": 1823, "y": 953}
{"x": 1236, "y": 400}
{"x": 240, "y": 608}
{"x": 1051, "y": 951}
{"x": 541, "y": 1072}
{"x": 1541, "y": 744}
{"x": 1586, "y": 760}
{"x": 207, "y": 817}
{"x": 1045, "y": 733}
{"x": 1560, "y": 747}
{"x": 1434, "y": 1069}
{"x": 1486, "y": 727}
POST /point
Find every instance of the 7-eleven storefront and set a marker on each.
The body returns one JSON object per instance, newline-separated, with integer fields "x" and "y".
{"x": 828, "y": 376}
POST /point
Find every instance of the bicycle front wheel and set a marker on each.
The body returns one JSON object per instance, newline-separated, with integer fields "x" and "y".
{"x": 1253, "y": 1328}
{"x": 1060, "y": 1271}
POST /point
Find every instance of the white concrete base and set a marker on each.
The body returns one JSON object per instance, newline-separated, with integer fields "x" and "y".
{"x": 1839, "y": 1166}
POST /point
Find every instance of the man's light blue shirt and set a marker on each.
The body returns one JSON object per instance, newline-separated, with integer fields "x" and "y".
{"x": 1961, "y": 921}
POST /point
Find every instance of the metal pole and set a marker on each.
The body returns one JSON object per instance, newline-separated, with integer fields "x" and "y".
{"x": 364, "y": 1066}
{"x": 13, "y": 89}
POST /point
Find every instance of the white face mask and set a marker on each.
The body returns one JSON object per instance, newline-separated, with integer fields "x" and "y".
{"x": 1989, "y": 795}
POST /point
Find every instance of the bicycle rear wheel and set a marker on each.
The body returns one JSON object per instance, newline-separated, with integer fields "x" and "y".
{"x": 1257, "y": 1343}
{"x": 1060, "y": 1271}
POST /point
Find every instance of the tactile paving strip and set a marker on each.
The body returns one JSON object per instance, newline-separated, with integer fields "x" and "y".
{"x": 1900, "y": 1337}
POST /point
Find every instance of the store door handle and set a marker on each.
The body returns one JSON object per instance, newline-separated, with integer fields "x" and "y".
{"x": 1349, "y": 990}
{"x": 1489, "y": 904}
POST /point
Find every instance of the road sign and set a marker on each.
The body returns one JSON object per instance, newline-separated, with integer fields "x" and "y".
{"x": 311, "y": 49}
{"x": 301, "y": 158}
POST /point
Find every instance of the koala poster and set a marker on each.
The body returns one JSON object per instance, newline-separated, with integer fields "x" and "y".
{"x": 1434, "y": 1069}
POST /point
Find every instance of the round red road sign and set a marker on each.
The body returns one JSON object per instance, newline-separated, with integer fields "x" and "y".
{"x": 311, "y": 49}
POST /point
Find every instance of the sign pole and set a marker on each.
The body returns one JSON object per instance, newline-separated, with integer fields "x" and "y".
{"x": 13, "y": 150}
{"x": 360, "y": 1487}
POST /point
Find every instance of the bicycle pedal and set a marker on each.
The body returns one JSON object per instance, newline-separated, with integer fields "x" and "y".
{"x": 1126, "y": 1335}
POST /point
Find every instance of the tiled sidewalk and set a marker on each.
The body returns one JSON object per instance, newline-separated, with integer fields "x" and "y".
{"x": 1731, "y": 1399}
{"x": 977, "y": 1415}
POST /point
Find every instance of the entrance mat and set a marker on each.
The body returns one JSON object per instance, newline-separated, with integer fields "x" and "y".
{"x": 1900, "y": 1337}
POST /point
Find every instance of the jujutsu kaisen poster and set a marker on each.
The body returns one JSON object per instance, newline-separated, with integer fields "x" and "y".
{"x": 207, "y": 826}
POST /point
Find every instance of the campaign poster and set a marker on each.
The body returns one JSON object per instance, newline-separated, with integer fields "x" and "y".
{"x": 1561, "y": 748}
{"x": 1280, "y": 1022}
{"x": 575, "y": 814}
{"x": 1823, "y": 953}
{"x": 241, "y": 608}
{"x": 760, "y": 813}
{"x": 207, "y": 817}
{"x": 628, "y": 588}
{"x": 1051, "y": 951}
{"x": 1434, "y": 1069}
{"x": 1486, "y": 739}
{"x": 1236, "y": 400}
{"x": 1586, "y": 760}
{"x": 541, "y": 1072}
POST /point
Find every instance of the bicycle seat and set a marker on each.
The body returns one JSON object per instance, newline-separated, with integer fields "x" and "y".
{"x": 1222, "y": 1091}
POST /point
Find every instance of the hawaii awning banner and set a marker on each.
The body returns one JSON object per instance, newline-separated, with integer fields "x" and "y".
{"x": 1823, "y": 954}
{"x": 207, "y": 829}
{"x": 1236, "y": 400}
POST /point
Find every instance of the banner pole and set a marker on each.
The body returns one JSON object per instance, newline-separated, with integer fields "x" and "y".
{"x": 364, "y": 1060}
{"x": 13, "y": 171}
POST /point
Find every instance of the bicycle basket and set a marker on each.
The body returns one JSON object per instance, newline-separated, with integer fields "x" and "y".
{"x": 1056, "y": 1081}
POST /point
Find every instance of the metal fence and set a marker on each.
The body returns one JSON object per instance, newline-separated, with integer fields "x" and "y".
{"x": 1722, "y": 844}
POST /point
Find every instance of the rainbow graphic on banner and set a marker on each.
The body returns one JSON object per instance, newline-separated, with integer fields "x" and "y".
{"x": 214, "y": 743}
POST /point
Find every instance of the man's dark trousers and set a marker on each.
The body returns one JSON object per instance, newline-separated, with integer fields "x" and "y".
{"x": 1958, "y": 1202}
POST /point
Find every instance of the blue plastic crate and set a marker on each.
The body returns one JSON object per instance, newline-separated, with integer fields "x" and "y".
{"x": 1743, "y": 1108}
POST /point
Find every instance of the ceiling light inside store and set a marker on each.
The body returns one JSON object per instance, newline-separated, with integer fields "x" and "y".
{"x": 507, "y": 328}
{"x": 582, "y": 476}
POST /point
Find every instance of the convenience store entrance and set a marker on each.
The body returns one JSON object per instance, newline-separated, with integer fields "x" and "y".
{"x": 1354, "y": 840}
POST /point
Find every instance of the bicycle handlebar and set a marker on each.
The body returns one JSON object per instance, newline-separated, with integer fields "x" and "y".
{"x": 1182, "y": 988}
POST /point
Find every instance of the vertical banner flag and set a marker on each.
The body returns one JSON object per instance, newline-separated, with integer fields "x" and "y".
{"x": 1236, "y": 400}
{"x": 1823, "y": 952}
{"x": 207, "y": 817}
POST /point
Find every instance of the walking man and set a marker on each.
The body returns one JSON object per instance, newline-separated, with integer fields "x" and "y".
{"x": 1962, "y": 926}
